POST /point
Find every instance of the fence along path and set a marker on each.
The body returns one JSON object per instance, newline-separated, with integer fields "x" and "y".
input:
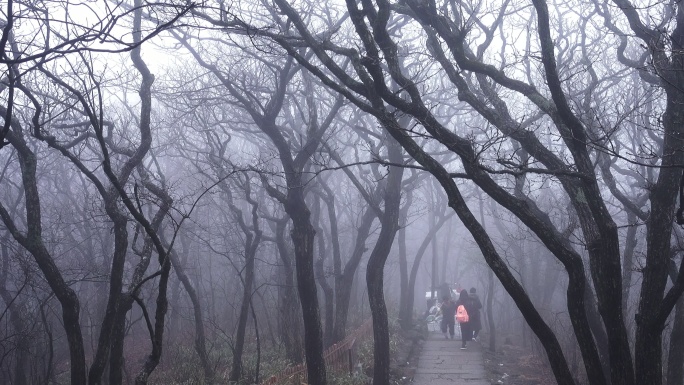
{"x": 338, "y": 358}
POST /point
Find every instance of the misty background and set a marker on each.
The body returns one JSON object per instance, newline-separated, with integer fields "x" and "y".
{"x": 203, "y": 193}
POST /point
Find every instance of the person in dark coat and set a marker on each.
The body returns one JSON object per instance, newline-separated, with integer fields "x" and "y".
{"x": 475, "y": 317}
{"x": 466, "y": 327}
{"x": 444, "y": 291}
{"x": 448, "y": 311}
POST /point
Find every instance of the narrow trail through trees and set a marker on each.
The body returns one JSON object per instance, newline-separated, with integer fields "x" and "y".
{"x": 442, "y": 362}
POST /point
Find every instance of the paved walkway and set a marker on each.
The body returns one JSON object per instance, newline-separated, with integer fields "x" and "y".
{"x": 442, "y": 362}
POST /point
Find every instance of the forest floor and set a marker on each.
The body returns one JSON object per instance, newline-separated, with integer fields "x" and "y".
{"x": 516, "y": 365}
{"x": 403, "y": 365}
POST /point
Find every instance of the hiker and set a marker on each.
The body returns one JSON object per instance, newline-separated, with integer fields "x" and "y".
{"x": 448, "y": 311}
{"x": 464, "y": 317}
{"x": 444, "y": 290}
{"x": 474, "y": 315}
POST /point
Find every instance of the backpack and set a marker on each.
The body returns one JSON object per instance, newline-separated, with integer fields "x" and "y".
{"x": 461, "y": 314}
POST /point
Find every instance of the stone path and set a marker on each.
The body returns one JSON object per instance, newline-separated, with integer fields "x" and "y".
{"x": 442, "y": 362}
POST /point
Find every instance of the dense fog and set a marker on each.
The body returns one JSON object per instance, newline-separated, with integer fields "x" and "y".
{"x": 214, "y": 192}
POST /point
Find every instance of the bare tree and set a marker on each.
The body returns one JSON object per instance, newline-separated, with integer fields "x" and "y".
{"x": 449, "y": 33}
{"x": 276, "y": 123}
{"x": 82, "y": 110}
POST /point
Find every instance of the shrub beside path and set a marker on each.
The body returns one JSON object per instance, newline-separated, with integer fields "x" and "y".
{"x": 442, "y": 362}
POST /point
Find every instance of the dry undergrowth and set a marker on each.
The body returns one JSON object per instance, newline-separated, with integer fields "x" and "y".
{"x": 514, "y": 365}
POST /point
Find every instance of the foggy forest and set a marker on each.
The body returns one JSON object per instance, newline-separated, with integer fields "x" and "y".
{"x": 217, "y": 192}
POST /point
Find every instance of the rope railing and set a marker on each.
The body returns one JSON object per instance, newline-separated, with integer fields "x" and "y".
{"x": 338, "y": 358}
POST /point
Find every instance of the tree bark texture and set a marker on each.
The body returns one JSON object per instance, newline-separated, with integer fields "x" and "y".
{"x": 252, "y": 240}
{"x": 344, "y": 283}
{"x": 376, "y": 265}
{"x": 303, "y": 240}
{"x": 290, "y": 316}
